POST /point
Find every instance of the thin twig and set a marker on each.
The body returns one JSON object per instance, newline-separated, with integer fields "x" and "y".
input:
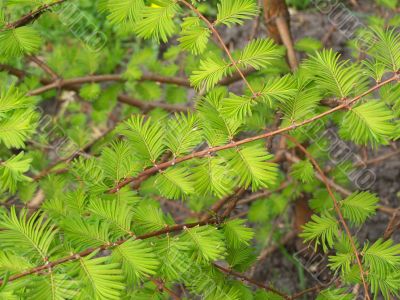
{"x": 45, "y": 67}
{"x": 338, "y": 211}
{"x": 32, "y": 16}
{"x": 219, "y": 204}
{"x": 271, "y": 249}
{"x": 377, "y": 160}
{"x": 69, "y": 158}
{"x": 345, "y": 192}
{"x": 221, "y": 41}
{"x": 202, "y": 153}
{"x": 393, "y": 224}
{"x": 314, "y": 289}
{"x": 161, "y": 286}
{"x": 250, "y": 280}
{"x": 84, "y": 253}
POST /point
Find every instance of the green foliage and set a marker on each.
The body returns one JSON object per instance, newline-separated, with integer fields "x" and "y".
{"x": 194, "y": 36}
{"x": 90, "y": 92}
{"x": 259, "y": 53}
{"x": 12, "y": 172}
{"x": 382, "y": 257}
{"x": 137, "y": 258}
{"x": 334, "y": 294}
{"x": 236, "y": 233}
{"x": 145, "y": 136}
{"x": 206, "y": 243}
{"x": 322, "y": 229}
{"x": 19, "y": 41}
{"x": 234, "y": 12}
{"x": 359, "y": 206}
{"x": 303, "y": 171}
{"x": 157, "y": 203}
{"x": 124, "y": 11}
{"x": 174, "y": 183}
{"x": 308, "y": 44}
{"x": 385, "y": 48}
{"x": 338, "y": 78}
{"x": 183, "y": 134}
{"x": 300, "y": 105}
{"x": 101, "y": 279}
{"x": 251, "y": 166}
{"x": 17, "y": 117}
{"x": 158, "y": 22}
{"x": 368, "y": 123}
{"x": 212, "y": 69}
{"x": 33, "y": 235}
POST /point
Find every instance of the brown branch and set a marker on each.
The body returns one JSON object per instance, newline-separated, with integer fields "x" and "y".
{"x": 32, "y": 16}
{"x": 145, "y": 106}
{"x": 261, "y": 194}
{"x": 314, "y": 289}
{"x": 250, "y": 280}
{"x": 338, "y": 211}
{"x": 161, "y": 286}
{"x": 221, "y": 41}
{"x": 377, "y": 159}
{"x": 104, "y": 78}
{"x": 62, "y": 83}
{"x": 219, "y": 204}
{"x": 46, "y": 68}
{"x": 51, "y": 264}
{"x": 345, "y": 192}
{"x": 202, "y": 153}
{"x": 393, "y": 224}
{"x": 85, "y": 148}
{"x": 271, "y": 249}
{"x": 232, "y": 203}
{"x": 13, "y": 71}
{"x": 277, "y": 19}
{"x": 71, "y": 84}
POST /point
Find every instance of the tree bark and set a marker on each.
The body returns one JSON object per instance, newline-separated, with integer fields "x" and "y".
{"x": 277, "y": 20}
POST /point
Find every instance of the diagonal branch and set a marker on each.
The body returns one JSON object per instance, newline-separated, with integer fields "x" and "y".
{"x": 221, "y": 41}
{"x": 32, "y": 16}
{"x": 51, "y": 264}
{"x": 202, "y": 153}
{"x": 250, "y": 280}
{"x": 337, "y": 209}
{"x": 45, "y": 67}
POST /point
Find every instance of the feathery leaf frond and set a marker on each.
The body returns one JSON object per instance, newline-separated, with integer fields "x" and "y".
{"x": 146, "y": 137}
{"x": 250, "y": 165}
{"x": 235, "y": 12}
{"x": 19, "y": 41}
{"x": 359, "y": 206}
{"x": 385, "y": 48}
{"x": 102, "y": 280}
{"x": 122, "y": 11}
{"x": 12, "y": 172}
{"x": 194, "y": 36}
{"x": 322, "y": 229}
{"x": 33, "y": 235}
{"x": 183, "y": 134}
{"x": 174, "y": 183}
{"x": 137, "y": 259}
{"x": 259, "y": 53}
{"x": 212, "y": 69}
{"x": 236, "y": 233}
{"x": 337, "y": 77}
{"x": 382, "y": 257}
{"x": 369, "y": 122}
{"x": 158, "y": 22}
{"x": 206, "y": 243}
